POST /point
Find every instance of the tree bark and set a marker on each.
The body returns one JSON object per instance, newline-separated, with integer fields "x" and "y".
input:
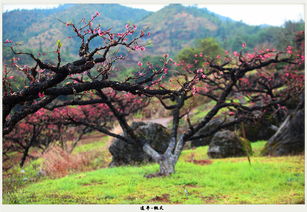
{"x": 27, "y": 149}
{"x": 167, "y": 166}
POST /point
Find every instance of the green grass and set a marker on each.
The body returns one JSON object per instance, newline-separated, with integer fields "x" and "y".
{"x": 269, "y": 180}
{"x": 257, "y": 147}
{"x": 201, "y": 111}
{"x": 91, "y": 146}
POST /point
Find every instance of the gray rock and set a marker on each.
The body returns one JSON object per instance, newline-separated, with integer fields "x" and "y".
{"x": 259, "y": 130}
{"x": 290, "y": 137}
{"x": 211, "y": 125}
{"x": 226, "y": 143}
{"x": 133, "y": 154}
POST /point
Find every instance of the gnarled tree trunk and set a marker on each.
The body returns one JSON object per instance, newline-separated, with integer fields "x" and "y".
{"x": 168, "y": 160}
{"x": 167, "y": 166}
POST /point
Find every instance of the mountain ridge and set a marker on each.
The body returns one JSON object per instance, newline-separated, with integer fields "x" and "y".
{"x": 172, "y": 28}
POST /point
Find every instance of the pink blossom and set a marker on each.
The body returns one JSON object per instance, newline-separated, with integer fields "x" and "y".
{"x": 302, "y": 57}
{"x": 250, "y": 56}
{"x": 8, "y": 41}
{"x": 140, "y": 64}
{"x": 194, "y": 91}
{"x": 11, "y": 77}
{"x": 41, "y": 95}
{"x": 97, "y": 13}
{"x": 243, "y": 45}
{"x": 100, "y": 33}
{"x": 127, "y": 26}
{"x": 148, "y": 34}
{"x": 289, "y": 49}
{"x": 235, "y": 53}
{"x": 142, "y": 48}
{"x": 218, "y": 56}
{"x": 231, "y": 113}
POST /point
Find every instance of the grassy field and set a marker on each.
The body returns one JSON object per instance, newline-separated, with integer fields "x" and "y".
{"x": 198, "y": 180}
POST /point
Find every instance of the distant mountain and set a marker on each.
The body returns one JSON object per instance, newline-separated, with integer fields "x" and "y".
{"x": 172, "y": 28}
{"x": 176, "y": 26}
{"x": 42, "y": 28}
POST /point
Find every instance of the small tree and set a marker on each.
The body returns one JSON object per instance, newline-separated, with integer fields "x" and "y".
{"x": 40, "y": 130}
{"x": 204, "y": 47}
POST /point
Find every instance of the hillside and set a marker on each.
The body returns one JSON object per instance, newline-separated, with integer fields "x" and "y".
{"x": 42, "y": 28}
{"x": 172, "y": 28}
{"x": 175, "y": 27}
{"x": 198, "y": 180}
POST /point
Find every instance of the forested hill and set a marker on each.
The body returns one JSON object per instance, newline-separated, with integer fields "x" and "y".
{"x": 42, "y": 28}
{"x": 172, "y": 28}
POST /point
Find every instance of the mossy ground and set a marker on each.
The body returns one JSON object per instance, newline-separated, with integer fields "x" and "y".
{"x": 268, "y": 180}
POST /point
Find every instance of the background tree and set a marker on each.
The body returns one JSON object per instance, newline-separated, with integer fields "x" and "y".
{"x": 202, "y": 47}
{"x": 40, "y": 130}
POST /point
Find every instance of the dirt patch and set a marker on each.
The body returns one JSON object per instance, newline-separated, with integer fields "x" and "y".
{"x": 59, "y": 196}
{"x": 155, "y": 175}
{"x": 131, "y": 198}
{"x": 201, "y": 162}
{"x": 162, "y": 198}
{"x": 93, "y": 183}
{"x": 95, "y": 137}
{"x": 191, "y": 185}
{"x": 300, "y": 202}
{"x": 211, "y": 199}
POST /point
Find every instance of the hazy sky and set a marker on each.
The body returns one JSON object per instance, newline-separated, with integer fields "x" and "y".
{"x": 251, "y": 14}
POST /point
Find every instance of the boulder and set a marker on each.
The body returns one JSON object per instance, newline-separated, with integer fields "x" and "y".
{"x": 132, "y": 154}
{"x": 226, "y": 143}
{"x": 211, "y": 125}
{"x": 290, "y": 136}
{"x": 259, "y": 130}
